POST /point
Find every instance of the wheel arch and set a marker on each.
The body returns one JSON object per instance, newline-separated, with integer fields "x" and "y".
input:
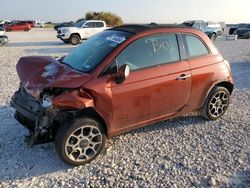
{"x": 91, "y": 112}
{"x": 227, "y": 84}
{"x": 75, "y": 34}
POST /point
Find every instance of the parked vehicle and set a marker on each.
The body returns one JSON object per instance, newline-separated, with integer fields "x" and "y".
{"x": 242, "y": 30}
{"x": 214, "y": 28}
{"x": 3, "y": 37}
{"x": 18, "y": 26}
{"x": 39, "y": 24}
{"x": 118, "y": 80}
{"x": 199, "y": 24}
{"x": 31, "y": 23}
{"x": 3, "y": 22}
{"x": 81, "y": 30}
{"x": 64, "y": 24}
{"x": 234, "y": 28}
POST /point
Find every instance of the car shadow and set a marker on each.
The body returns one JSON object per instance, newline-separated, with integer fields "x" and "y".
{"x": 32, "y": 44}
{"x": 18, "y": 161}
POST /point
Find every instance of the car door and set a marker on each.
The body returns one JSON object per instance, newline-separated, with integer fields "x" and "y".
{"x": 89, "y": 29}
{"x": 99, "y": 26}
{"x": 159, "y": 83}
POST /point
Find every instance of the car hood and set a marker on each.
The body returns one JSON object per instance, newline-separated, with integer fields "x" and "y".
{"x": 39, "y": 72}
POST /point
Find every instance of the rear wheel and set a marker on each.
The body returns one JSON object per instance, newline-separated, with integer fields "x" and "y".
{"x": 216, "y": 103}
{"x": 74, "y": 39}
{"x": 80, "y": 141}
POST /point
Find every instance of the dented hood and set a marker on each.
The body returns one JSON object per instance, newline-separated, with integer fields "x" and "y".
{"x": 39, "y": 72}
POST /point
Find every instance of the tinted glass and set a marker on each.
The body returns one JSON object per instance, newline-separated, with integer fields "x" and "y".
{"x": 79, "y": 24}
{"x": 150, "y": 51}
{"x": 90, "y": 25}
{"x": 89, "y": 54}
{"x": 195, "y": 46}
{"x": 99, "y": 24}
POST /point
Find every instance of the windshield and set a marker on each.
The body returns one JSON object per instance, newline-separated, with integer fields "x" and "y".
{"x": 80, "y": 23}
{"x": 88, "y": 55}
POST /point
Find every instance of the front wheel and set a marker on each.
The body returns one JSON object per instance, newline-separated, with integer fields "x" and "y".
{"x": 216, "y": 103}
{"x": 213, "y": 37}
{"x": 80, "y": 141}
{"x": 74, "y": 39}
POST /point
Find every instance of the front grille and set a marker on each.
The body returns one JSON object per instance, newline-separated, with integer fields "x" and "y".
{"x": 59, "y": 31}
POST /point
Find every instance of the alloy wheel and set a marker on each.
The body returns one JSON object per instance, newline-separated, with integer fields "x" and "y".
{"x": 218, "y": 104}
{"x": 84, "y": 143}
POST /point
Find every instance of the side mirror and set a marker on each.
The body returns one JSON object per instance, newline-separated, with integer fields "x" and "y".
{"x": 122, "y": 74}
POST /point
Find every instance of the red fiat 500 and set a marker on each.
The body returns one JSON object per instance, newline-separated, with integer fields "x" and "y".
{"x": 119, "y": 80}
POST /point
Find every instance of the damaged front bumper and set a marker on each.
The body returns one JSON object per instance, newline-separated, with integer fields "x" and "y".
{"x": 36, "y": 116}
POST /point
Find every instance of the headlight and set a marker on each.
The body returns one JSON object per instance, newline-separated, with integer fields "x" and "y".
{"x": 65, "y": 30}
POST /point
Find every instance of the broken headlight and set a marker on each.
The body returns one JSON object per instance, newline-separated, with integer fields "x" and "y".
{"x": 46, "y": 101}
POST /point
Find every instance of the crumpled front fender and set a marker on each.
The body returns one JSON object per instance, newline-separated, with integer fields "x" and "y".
{"x": 73, "y": 100}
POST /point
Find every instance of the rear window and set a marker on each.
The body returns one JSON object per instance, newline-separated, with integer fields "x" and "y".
{"x": 194, "y": 46}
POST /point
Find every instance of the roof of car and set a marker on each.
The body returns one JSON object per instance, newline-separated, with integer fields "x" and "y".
{"x": 138, "y": 28}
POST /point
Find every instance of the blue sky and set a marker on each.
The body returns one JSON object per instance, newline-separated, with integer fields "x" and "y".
{"x": 132, "y": 11}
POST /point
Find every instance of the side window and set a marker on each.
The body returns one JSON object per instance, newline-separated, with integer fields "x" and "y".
{"x": 89, "y": 25}
{"x": 150, "y": 51}
{"x": 194, "y": 46}
{"x": 99, "y": 24}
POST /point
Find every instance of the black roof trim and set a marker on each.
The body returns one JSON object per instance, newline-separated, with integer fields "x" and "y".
{"x": 138, "y": 28}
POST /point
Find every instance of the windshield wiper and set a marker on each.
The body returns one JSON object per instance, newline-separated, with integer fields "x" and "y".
{"x": 67, "y": 65}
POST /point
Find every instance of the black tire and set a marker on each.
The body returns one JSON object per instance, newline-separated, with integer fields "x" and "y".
{"x": 69, "y": 131}
{"x": 213, "y": 109}
{"x": 213, "y": 37}
{"x": 74, "y": 39}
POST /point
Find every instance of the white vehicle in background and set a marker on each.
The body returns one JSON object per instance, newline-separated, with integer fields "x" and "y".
{"x": 81, "y": 30}
{"x": 215, "y": 28}
{"x": 38, "y": 23}
{"x": 3, "y": 37}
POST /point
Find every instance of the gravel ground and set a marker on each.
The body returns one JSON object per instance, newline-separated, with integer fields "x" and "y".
{"x": 184, "y": 152}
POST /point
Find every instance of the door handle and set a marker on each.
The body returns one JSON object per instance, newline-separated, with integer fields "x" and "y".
{"x": 183, "y": 77}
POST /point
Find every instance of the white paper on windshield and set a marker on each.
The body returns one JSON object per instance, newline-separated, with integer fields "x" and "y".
{"x": 116, "y": 39}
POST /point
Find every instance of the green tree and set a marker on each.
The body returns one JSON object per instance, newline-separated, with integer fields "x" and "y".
{"x": 111, "y": 19}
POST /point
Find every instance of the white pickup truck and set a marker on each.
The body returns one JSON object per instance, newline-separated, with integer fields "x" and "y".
{"x": 81, "y": 30}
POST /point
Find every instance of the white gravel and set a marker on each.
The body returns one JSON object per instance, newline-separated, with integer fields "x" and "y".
{"x": 184, "y": 152}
